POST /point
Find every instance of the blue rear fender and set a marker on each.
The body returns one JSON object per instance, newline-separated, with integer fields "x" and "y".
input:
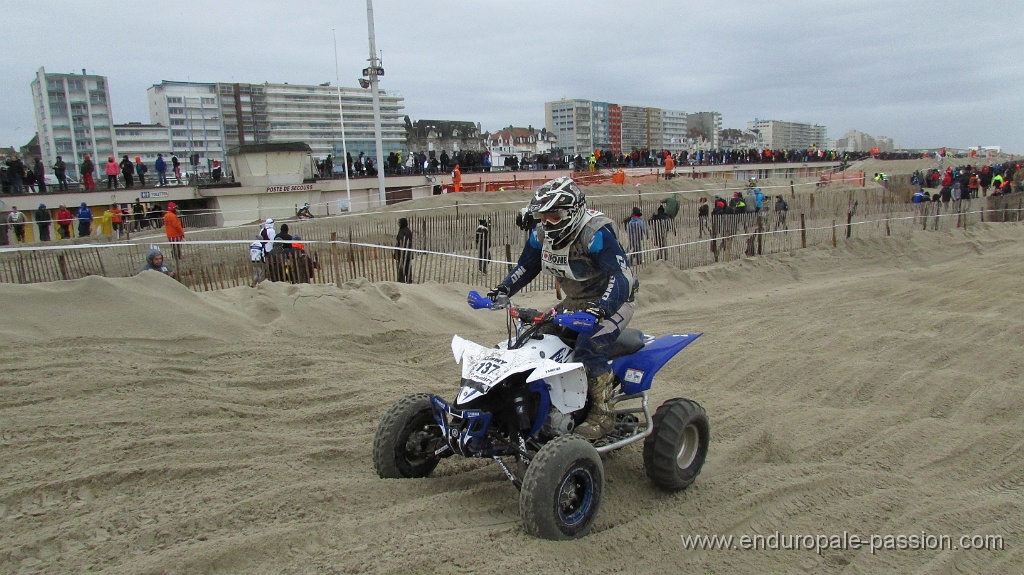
{"x": 636, "y": 371}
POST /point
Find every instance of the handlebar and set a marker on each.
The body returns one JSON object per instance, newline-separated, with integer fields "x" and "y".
{"x": 579, "y": 321}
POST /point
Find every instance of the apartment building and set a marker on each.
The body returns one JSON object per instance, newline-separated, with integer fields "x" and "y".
{"x": 707, "y": 123}
{"x": 260, "y": 113}
{"x": 778, "y": 135}
{"x": 583, "y": 126}
{"x": 73, "y": 117}
{"x": 674, "y": 130}
{"x": 571, "y": 121}
{"x": 855, "y": 141}
{"x": 144, "y": 141}
{"x": 191, "y": 112}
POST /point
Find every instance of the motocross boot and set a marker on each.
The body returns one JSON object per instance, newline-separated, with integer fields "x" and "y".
{"x": 600, "y": 421}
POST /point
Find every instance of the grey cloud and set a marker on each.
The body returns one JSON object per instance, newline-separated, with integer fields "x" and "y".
{"x": 925, "y": 73}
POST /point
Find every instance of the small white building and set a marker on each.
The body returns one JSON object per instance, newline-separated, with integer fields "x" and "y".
{"x": 523, "y": 143}
{"x": 144, "y": 141}
{"x": 192, "y": 113}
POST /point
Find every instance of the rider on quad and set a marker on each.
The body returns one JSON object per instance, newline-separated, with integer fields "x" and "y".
{"x": 579, "y": 247}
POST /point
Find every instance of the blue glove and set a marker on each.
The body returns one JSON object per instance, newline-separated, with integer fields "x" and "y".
{"x": 579, "y": 321}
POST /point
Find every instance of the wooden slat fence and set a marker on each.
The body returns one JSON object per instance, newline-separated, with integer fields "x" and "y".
{"x": 361, "y": 246}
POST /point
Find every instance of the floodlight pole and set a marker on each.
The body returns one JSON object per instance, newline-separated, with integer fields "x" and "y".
{"x": 341, "y": 119}
{"x": 374, "y": 69}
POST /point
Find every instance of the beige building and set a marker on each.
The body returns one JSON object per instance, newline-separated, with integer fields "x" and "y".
{"x": 776, "y": 135}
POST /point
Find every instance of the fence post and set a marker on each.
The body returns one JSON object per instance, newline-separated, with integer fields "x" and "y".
{"x": 792, "y": 189}
{"x": 833, "y": 233}
{"x": 103, "y": 270}
{"x": 62, "y": 262}
{"x": 803, "y": 231}
{"x": 849, "y": 225}
{"x": 760, "y": 235}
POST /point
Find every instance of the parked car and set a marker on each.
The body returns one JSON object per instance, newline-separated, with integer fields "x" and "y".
{"x": 51, "y": 180}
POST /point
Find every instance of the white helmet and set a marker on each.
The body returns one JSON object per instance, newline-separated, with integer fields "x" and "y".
{"x": 559, "y": 205}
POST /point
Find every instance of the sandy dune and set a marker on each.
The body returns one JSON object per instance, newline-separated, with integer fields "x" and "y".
{"x": 872, "y": 389}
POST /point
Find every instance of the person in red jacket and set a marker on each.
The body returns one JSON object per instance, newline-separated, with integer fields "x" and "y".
{"x": 86, "y": 171}
{"x": 175, "y": 232}
{"x": 63, "y": 222}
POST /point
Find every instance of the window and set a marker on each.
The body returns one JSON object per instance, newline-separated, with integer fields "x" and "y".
{"x": 174, "y": 99}
{"x": 178, "y": 133}
{"x": 208, "y": 100}
{"x": 178, "y": 122}
{"x": 176, "y": 110}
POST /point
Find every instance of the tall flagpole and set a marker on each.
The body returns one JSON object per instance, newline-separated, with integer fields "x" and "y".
{"x": 376, "y": 70}
{"x": 341, "y": 116}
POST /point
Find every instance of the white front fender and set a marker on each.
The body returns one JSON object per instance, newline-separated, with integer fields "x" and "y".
{"x": 460, "y": 347}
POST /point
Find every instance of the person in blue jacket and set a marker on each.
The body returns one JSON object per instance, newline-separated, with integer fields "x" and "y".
{"x": 579, "y": 247}
{"x": 84, "y": 221}
{"x": 758, "y": 200}
{"x": 161, "y": 170}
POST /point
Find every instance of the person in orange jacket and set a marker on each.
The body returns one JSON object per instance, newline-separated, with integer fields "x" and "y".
{"x": 670, "y": 166}
{"x": 457, "y": 179}
{"x": 619, "y": 177}
{"x": 116, "y": 220}
{"x": 172, "y": 225}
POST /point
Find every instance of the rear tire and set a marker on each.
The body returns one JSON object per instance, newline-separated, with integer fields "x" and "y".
{"x": 675, "y": 451}
{"x": 402, "y": 446}
{"x": 562, "y": 488}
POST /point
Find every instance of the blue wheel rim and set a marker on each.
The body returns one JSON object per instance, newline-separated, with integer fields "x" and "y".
{"x": 575, "y": 497}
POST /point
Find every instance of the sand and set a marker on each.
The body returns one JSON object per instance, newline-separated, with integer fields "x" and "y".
{"x": 872, "y": 389}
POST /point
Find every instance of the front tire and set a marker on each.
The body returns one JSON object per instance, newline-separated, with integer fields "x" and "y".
{"x": 405, "y": 438}
{"x": 675, "y": 451}
{"x": 562, "y": 488}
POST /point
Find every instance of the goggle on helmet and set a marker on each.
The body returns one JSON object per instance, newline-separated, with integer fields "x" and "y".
{"x": 559, "y": 206}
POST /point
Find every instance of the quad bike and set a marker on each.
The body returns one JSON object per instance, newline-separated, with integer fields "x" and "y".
{"x": 521, "y": 401}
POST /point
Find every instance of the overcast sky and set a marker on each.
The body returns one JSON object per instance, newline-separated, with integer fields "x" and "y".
{"x": 927, "y": 73}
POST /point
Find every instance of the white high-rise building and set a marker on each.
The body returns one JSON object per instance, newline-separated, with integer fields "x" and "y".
{"x": 192, "y": 113}
{"x": 73, "y": 118}
{"x": 302, "y": 113}
{"x": 211, "y": 119}
{"x": 571, "y": 121}
{"x": 675, "y": 128}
